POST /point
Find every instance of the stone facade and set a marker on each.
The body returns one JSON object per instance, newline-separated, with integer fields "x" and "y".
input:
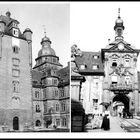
{"x": 15, "y": 72}
{"x": 54, "y": 88}
{"x": 89, "y": 65}
{"x": 121, "y": 75}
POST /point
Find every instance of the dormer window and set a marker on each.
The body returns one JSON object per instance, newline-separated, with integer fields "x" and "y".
{"x": 15, "y": 32}
{"x": 82, "y": 67}
{"x": 95, "y": 56}
{"x": 94, "y": 67}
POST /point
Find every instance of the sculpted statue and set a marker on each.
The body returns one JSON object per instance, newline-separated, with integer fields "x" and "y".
{"x": 75, "y": 51}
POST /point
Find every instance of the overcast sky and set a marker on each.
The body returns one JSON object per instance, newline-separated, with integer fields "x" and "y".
{"x": 92, "y": 24}
{"x": 55, "y": 16}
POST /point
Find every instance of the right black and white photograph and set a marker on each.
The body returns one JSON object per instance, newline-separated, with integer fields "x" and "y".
{"x": 105, "y": 67}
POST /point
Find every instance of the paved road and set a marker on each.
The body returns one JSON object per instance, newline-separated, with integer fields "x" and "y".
{"x": 130, "y": 125}
{"x": 115, "y": 126}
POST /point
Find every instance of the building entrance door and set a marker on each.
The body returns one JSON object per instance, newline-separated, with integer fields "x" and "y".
{"x": 15, "y": 123}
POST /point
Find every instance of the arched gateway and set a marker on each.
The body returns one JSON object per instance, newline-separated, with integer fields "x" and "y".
{"x": 120, "y": 67}
{"x": 15, "y": 123}
{"x": 122, "y": 98}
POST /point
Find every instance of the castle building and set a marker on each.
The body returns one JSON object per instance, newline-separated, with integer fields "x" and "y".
{"x": 15, "y": 72}
{"x": 52, "y": 85}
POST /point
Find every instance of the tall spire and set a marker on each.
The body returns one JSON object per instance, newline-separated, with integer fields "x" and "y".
{"x": 118, "y": 12}
{"x": 119, "y": 27}
{"x": 45, "y": 39}
{"x": 44, "y": 28}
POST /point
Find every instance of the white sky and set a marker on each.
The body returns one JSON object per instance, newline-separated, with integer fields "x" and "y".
{"x": 92, "y": 24}
{"x": 55, "y": 16}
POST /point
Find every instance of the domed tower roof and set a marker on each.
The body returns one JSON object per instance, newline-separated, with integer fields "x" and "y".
{"x": 27, "y": 30}
{"x": 46, "y": 51}
{"x": 45, "y": 39}
{"x": 46, "y": 47}
{"x": 119, "y": 21}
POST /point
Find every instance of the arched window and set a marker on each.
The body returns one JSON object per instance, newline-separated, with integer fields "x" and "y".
{"x": 38, "y": 123}
{"x": 15, "y": 123}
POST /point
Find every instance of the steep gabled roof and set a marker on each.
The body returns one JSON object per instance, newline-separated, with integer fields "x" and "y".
{"x": 87, "y": 59}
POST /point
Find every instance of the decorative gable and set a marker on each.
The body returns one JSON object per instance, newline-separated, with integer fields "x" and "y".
{"x": 121, "y": 46}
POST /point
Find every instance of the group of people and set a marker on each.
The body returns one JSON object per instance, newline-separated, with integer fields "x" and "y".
{"x": 101, "y": 121}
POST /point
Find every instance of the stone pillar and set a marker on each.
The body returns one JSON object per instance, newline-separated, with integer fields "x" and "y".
{"x": 1, "y": 35}
{"x": 136, "y": 101}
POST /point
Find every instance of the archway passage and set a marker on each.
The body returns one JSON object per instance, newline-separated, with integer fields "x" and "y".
{"x": 122, "y": 98}
{"x": 15, "y": 123}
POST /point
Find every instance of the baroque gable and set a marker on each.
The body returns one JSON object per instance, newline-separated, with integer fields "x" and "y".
{"x": 124, "y": 47}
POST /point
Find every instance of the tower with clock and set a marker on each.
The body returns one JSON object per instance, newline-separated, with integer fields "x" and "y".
{"x": 121, "y": 75}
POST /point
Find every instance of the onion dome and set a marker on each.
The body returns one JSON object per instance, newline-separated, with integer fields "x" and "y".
{"x": 46, "y": 48}
{"x": 46, "y": 51}
{"x": 27, "y": 30}
{"x": 119, "y": 21}
{"x": 45, "y": 39}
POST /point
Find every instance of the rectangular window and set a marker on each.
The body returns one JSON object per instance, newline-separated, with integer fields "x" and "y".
{"x": 63, "y": 107}
{"x": 95, "y": 67}
{"x": 54, "y": 60}
{"x": 64, "y": 122}
{"x": 95, "y": 102}
{"x": 15, "y": 61}
{"x": 95, "y": 56}
{"x": 15, "y": 32}
{"x": 36, "y": 94}
{"x": 56, "y": 93}
{"x": 15, "y": 49}
{"x": 55, "y": 82}
{"x": 82, "y": 67}
{"x": 57, "y": 107}
{"x": 57, "y": 122}
{"x": 38, "y": 108}
{"x": 15, "y": 72}
{"x": 62, "y": 92}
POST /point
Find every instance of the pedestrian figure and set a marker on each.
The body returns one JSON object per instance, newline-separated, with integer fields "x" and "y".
{"x": 95, "y": 122}
{"x": 106, "y": 121}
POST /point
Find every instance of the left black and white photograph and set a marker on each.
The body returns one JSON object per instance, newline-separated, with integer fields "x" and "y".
{"x": 34, "y": 67}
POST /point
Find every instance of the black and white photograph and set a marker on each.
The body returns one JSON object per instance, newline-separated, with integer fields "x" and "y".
{"x": 69, "y": 69}
{"x": 105, "y": 65}
{"x": 34, "y": 67}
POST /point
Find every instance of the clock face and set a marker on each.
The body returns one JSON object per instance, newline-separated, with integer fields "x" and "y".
{"x": 121, "y": 46}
